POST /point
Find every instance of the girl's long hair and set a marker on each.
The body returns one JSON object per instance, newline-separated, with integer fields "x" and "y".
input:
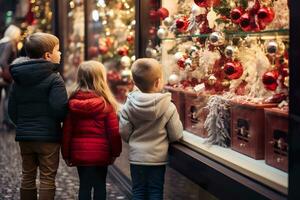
{"x": 91, "y": 76}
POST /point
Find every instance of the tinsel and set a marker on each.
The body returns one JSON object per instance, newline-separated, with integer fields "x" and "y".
{"x": 217, "y": 122}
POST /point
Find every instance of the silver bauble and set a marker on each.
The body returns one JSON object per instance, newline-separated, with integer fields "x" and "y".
{"x": 231, "y": 51}
{"x": 162, "y": 33}
{"x": 173, "y": 79}
{"x": 217, "y": 38}
{"x": 272, "y": 48}
{"x": 168, "y": 21}
{"x": 125, "y": 61}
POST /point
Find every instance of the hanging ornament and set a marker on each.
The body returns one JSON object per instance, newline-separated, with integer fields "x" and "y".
{"x": 265, "y": 15}
{"x": 125, "y": 61}
{"x": 123, "y": 51}
{"x": 168, "y": 21}
{"x": 182, "y": 24}
{"x": 226, "y": 83}
{"x": 217, "y": 38}
{"x": 211, "y": 80}
{"x": 103, "y": 49}
{"x": 196, "y": 10}
{"x": 93, "y": 51}
{"x": 245, "y": 22}
{"x": 162, "y": 32}
{"x": 173, "y": 79}
{"x": 231, "y": 51}
{"x": 113, "y": 75}
{"x": 269, "y": 80}
{"x": 163, "y": 13}
{"x": 254, "y": 8}
{"x": 233, "y": 70}
{"x": 274, "y": 47}
{"x": 236, "y": 15}
{"x": 130, "y": 39}
{"x": 200, "y": 3}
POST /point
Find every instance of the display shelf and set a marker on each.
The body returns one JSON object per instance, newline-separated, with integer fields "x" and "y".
{"x": 274, "y": 33}
{"x": 255, "y": 169}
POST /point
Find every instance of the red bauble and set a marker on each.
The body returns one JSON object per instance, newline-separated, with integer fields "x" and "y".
{"x": 265, "y": 15}
{"x": 233, "y": 70}
{"x": 93, "y": 51}
{"x": 207, "y": 3}
{"x": 153, "y": 14}
{"x": 269, "y": 79}
{"x": 123, "y": 51}
{"x": 181, "y": 63}
{"x": 245, "y": 22}
{"x": 236, "y": 15}
{"x": 103, "y": 49}
{"x": 182, "y": 24}
{"x": 130, "y": 39}
{"x": 163, "y": 13}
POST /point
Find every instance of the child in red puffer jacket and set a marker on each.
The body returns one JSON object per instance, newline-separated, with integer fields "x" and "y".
{"x": 91, "y": 139}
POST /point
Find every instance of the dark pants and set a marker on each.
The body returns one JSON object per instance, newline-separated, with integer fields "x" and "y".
{"x": 147, "y": 182}
{"x": 92, "y": 177}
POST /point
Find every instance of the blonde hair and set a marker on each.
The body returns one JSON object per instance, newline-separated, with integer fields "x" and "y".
{"x": 12, "y": 33}
{"x": 37, "y": 44}
{"x": 145, "y": 71}
{"x": 91, "y": 75}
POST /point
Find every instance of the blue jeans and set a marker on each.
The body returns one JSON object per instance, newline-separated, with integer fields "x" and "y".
{"x": 92, "y": 177}
{"x": 147, "y": 182}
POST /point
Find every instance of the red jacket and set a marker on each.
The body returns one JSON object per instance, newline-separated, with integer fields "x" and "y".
{"x": 91, "y": 131}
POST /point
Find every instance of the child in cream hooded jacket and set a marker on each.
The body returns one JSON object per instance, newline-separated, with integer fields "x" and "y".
{"x": 148, "y": 123}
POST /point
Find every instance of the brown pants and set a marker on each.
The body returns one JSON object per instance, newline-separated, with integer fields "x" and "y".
{"x": 43, "y": 155}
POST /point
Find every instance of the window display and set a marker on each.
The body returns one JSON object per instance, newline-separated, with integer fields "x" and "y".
{"x": 111, "y": 41}
{"x": 226, "y": 63}
{"x": 74, "y": 45}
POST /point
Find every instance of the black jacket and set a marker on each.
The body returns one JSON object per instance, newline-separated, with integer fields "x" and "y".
{"x": 38, "y": 100}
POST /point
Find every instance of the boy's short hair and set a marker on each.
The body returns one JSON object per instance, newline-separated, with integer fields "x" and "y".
{"x": 145, "y": 71}
{"x": 37, "y": 44}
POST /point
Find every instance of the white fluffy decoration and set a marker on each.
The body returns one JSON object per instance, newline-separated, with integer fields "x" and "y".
{"x": 255, "y": 64}
{"x": 207, "y": 60}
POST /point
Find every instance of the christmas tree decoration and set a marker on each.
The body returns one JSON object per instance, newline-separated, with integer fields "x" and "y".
{"x": 236, "y": 14}
{"x": 125, "y": 61}
{"x": 168, "y": 21}
{"x": 274, "y": 47}
{"x": 181, "y": 63}
{"x": 182, "y": 24}
{"x": 207, "y": 3}
{"x": 269, "y": 79}
{"x": 233, "y": 70}
{"x": 123, "y": 51}
{"x": 231, "y": 52}
{"x": 173, "y": 79}
{"x": 265, "y": 15}
{"x": 163, "y": 13}
{"x": 211, "y": 80}
{"x": 162, "y": 33}
{"x": 217, "y": 38}
{"x": 217, "y": 122}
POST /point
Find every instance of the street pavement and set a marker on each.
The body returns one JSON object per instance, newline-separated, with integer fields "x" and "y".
{"x": 67, "y": 182}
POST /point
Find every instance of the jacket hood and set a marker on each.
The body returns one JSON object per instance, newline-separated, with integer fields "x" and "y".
{"x": 147, "y": 106}
{"x": 26, "y": 71}
{"x": 87, "y": 103}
